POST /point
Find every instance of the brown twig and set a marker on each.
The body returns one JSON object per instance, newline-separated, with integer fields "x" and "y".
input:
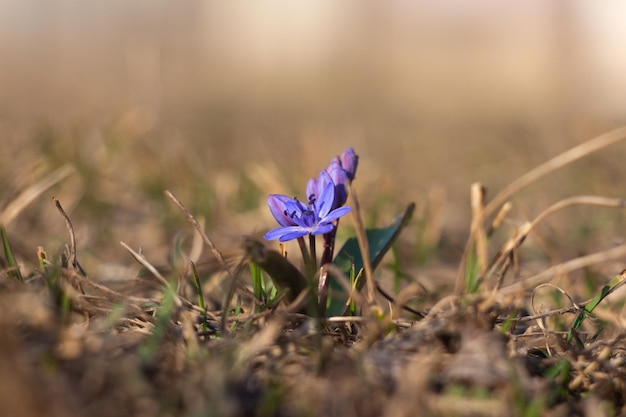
{"x": 73, "y": 260}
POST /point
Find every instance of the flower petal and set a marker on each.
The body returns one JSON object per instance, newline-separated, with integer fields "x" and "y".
{"x": 339, "y": 177}
{"x": 335, "y": 214}
{"x": 323, "y": 180}
{"x": 277, "y": 205}
{"x": 311, "y": 189}
{"x": 334, "y": 164}
{"x": 323, "y": 228}
{"x": 326, "y": 200}
{"x": 294, "y": 235}
{"x": 286, "y": 233}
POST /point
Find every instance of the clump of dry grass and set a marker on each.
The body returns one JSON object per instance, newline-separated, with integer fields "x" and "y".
{"x": 196, "y": 341}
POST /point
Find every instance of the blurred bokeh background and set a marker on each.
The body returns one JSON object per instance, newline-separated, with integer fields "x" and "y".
{"x": 223, "y": 103}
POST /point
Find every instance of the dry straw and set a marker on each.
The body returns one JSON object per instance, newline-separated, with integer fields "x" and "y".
{"x": 500, "y": 205}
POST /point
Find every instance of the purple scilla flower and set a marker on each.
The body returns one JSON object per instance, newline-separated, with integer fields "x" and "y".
{"x": 340, "y": 171}
{"x": 349, "y": 162}
{"x": 299, "y": 219}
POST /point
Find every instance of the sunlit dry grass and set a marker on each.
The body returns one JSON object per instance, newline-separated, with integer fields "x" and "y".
{"x": 137, "y": 151}
{"x": 104, "y": 333}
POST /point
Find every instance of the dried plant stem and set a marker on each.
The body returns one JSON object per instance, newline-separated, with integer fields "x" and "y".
{"x": 144, "y": 262}
{"x": 574, "y": 308}
{"x": 80, "y": 280}
{"x": 504, "y": 257}
{"x": 553, "y": 164}
{"x": 363, "y": 246}
{"x": 31, "y": 193}
{"x": 218, "y": 255}
{"x": 401, "y": 299}
{"x": 497, "y": 221}
{"x": 477, "y": 239}
{"x": 477, "y": 228}
{"x": 589, "y": 200}
{"x": 360, "y": 319}
{"x": 73, "y": 260}
{"x": 547, "y": 167}
{"x": 565, "y": 268}
{"x": 305, "y": 256}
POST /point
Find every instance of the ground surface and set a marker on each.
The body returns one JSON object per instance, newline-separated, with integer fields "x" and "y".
{"x": 105, "y": 108}
{"x": 118, "y": 342}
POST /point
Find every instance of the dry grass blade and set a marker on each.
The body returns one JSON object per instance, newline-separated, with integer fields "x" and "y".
{"x": 112, "y": 293}
{"x": 540, "y": 321}
{"x": 477, "y": 239}
{"x": 144, "y": 262}
{"x": 477, "y": 228}
{"x": 403, "y": 297}
{"x": 261, "y": 341}
{"x": 553, "y": 164}
{"x": 363, "y": 246}
{"x": 31, "y": 193}
{"x": 68, "y": 223}
{"x": 218, "y": 255}
{"x": 556, "y": 287}
{"x": 497, "y": 221}
{"x": 405, "y": 324}
{"x": 505, "y": 255}
{"x": 588, "y": 200}
{"x": 565, "y": 268}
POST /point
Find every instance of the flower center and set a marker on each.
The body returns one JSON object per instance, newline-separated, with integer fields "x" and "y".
{"x": 308, "y": 217}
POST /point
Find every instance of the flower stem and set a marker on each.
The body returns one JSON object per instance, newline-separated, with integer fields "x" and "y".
{"x": 313, "y": 254}
{"x": 305, "y": 253}
{"x": 329, "y": 246}
{"x": 327, "y": 257}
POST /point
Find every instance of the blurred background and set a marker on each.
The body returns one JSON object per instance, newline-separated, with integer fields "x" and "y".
{"x": 225, "y": 103}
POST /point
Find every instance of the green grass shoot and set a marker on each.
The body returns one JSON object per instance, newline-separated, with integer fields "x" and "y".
{"x": 13, "y": 270}
{"x": 472, "y": 282}
{"x": 198, "y": 287}
{"x": 586, "y": 311}
{"x": 149, "y": 349}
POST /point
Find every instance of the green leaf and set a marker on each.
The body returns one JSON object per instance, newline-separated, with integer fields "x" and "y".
{"x": 199, "y": 293}
{"x": 258, "y": 282}
{"x": 380, "y": 241}
{"x": 284, "y": 274}
{"x": 472, "y": 282}
{"x": 616, "y": 282}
